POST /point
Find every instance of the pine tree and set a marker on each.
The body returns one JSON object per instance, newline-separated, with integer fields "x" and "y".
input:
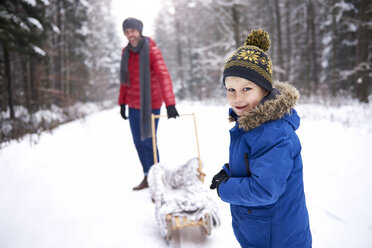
{"x": 22, "y": 34}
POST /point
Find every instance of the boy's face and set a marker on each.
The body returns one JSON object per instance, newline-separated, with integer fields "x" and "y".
{"x": 243, "y": 95}
{"x": 133, "y": 36}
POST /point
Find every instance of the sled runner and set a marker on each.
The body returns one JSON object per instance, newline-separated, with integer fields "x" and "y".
{"x": 179, "y": 196}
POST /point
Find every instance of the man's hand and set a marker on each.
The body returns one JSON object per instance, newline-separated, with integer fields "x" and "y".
{"x": 172, "y": 112}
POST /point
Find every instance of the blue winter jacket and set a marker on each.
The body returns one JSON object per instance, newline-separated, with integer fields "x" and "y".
{"x": 265, "y": 190}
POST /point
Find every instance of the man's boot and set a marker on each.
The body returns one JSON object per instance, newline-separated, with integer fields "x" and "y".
{"x": 142, "y": 185}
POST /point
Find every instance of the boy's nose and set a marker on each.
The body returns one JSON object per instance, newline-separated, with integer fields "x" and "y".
{"x": 239, "y": 98}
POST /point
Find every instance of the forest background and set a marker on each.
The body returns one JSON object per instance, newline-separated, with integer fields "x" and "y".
{"x": 59, "y": 55}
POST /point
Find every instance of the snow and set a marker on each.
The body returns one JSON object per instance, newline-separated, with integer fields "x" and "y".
{"x": 74, "y": 187}
{"x": 36, "y": 23}
{"x": 56, "y": 29}
{"x": 48, "y": 117}
{"x": 30, "y": 2}
{"x": 39, "y": 51}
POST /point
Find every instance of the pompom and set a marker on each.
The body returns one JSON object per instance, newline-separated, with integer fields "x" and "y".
{"x": 259, "y": 38}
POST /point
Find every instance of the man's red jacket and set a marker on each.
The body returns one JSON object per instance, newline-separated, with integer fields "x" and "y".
{"x": 161, "y": 83}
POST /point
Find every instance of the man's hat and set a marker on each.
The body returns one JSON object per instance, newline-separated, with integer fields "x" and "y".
{"x": 133, "y": 23}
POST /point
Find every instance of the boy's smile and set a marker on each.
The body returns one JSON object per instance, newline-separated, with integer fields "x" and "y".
{"x": 243, "y": 95}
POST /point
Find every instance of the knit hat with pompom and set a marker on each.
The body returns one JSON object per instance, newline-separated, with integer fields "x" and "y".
{"x": 251, "y": 62}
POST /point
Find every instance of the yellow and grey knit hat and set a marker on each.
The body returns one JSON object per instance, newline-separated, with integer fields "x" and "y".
{"x": 251, "y": 62}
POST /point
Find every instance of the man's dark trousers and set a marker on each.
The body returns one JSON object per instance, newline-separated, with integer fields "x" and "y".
{"x": 144, "y": 147}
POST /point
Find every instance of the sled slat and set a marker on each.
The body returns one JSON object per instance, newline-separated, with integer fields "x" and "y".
{"x": 183, "y": 222}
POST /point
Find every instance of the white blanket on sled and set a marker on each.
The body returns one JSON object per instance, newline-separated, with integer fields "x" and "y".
{"x": 180, "y": 193}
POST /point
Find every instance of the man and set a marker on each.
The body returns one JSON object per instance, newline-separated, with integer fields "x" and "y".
{"x": 145, "y": 84}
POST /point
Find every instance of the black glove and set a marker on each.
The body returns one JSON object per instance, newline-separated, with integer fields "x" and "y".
{"x": 218, "y": 179}
{"x": 122, "y": 111}
{"x": 172, "y": 112}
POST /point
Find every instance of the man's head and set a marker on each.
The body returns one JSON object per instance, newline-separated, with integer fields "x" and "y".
{"x": 251, "y": 62}
{"x": 132, "y": 28}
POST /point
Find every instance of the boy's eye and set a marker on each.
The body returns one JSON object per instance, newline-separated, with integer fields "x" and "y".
{"x": 230, "y": 90}
{"x": 246, "y": 88}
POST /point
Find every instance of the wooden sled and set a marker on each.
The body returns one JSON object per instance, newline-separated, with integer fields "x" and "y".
{"x": 177, "y": 222}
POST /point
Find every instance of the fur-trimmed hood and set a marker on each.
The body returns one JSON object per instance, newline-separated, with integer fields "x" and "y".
{"x": 271, "y": 109}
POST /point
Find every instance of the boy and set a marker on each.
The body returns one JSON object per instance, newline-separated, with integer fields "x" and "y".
{"x": 263, "y": 180}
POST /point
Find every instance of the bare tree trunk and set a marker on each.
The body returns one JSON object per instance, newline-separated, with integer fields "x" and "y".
{"x": 9, "y": 81}
{"x": 62, "y": 58}
{"x": 333, "y": 68}
{"x": 34, "y": 85}
{"x": 362, "y": 79}
{"x": 289, "y": 40}
{"x": 191, "y": 79}
{"x": 66, "y": 71}
{"x": 279, "y": 39}
{"x": 313, "y": 46}
{"x": 180, "y": 72}
{"x": 271, "y": 26}
{"x": 25, "y": 62}
{"x": 57, "y": 51}
{"x": 236, "y": 28}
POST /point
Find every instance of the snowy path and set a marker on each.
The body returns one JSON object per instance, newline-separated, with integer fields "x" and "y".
{"x": 73, "y": 188}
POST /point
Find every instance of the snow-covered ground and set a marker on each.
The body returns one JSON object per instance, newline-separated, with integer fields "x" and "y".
{"x": 74, "y": 187}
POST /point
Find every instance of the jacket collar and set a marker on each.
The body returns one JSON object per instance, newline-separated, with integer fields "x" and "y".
{"x": 271, "y": 108}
